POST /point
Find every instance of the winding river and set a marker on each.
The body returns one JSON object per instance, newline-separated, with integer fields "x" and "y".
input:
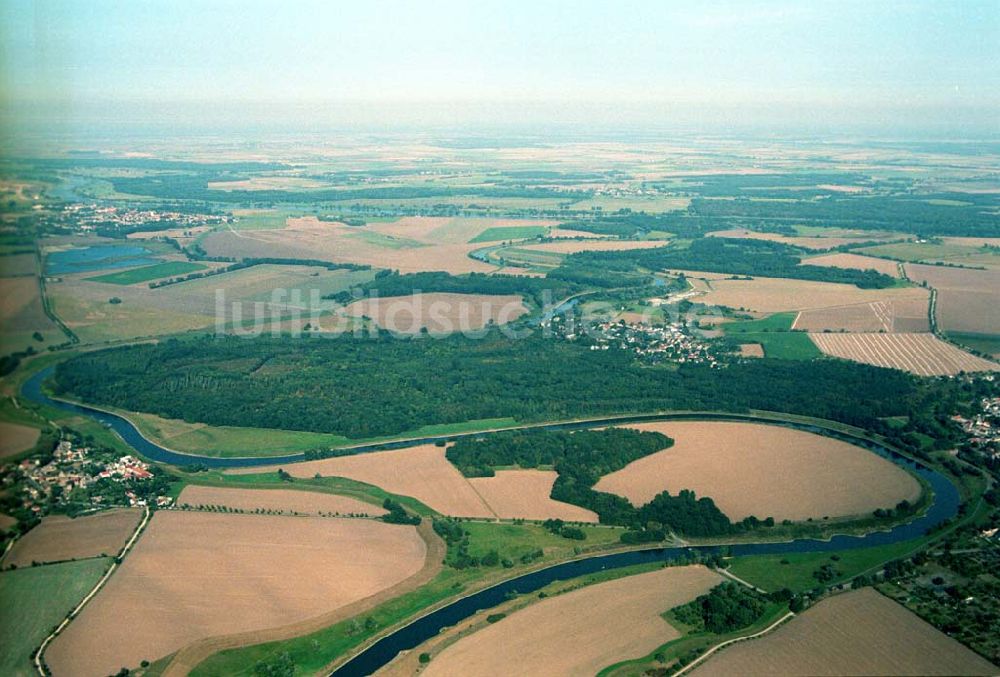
{"x": 944, "y": 506}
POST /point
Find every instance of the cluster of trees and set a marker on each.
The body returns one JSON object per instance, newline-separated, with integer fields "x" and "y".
{"x": 397, "y": 513}
{"x": 457, "y": 539}
{"x": 379, "y": 386}
{"x": 738, "y": 257}
{"x": 560, "y": 528}
{"x": 726, "y": 608}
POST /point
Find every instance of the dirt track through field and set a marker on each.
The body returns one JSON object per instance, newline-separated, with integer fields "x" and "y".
{"x": 284, "y": 500}
{"x": 921, "y": 354}
{"x": 60, "y": 538}
{"x": 579, "y": 632}
{"x": 763, "y": 470}
{"x": 193, "y": 576}
{"x": 525, "y": 494}
{"x": 856, "y": 633}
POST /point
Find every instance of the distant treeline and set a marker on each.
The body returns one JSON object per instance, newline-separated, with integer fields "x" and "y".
{"x": 735, "y": 256}
{"x": 195, "y": 187}
{"x": 580, "y": 459}
{"x": 379, "y": 386}
{"x": 391, "y": 283}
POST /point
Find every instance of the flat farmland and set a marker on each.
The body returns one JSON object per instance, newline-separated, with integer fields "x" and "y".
{"x": 904, "y": 315}
{"x": 855, "y": 261}
{"x": 525, "y": 494}
{"x": 15, "y": 438}
{"x": 283, "y": 500}
{"x": 422, "y": 472}
{"x": 83, "y": 304}
{"x": 856, "y": 633}
{"x": 751, "y": 350}
{"x": 60, "y": 538}
{"x": 179, "y": 586}
{"x": 967, "y": 299}
{"x": 569, "y": 634}
{"x": 21, "y": 314}
{"x": 35, "y": 600}
{"x": 498, "y": 234}
{"x": 147, "y": 273}
{"x": 772, "y": 295}
{"x": 310, "y": 238}
{"x": 921, "y": 354}
{"x": 439, "y": 313}
{"x": 745, "y": 468}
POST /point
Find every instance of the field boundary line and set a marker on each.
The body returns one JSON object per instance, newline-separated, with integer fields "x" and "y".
{"x": 723, "y": 645}
{"x": 39, "y": 654}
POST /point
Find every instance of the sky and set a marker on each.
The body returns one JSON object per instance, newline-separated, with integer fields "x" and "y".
{"x": 915, "y": 63}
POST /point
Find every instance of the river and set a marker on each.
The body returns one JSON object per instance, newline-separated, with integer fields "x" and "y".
{"x": 945, "y": 505}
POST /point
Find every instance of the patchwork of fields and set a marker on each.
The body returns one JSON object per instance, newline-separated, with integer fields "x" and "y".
{"x": 438, "y": 313}
{"x": 921, "y": 354}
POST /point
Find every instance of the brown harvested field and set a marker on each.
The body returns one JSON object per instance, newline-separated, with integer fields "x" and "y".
{"x": 906, "y": 315}
{"x": 751, "y": 350}
{"x": 972, "y": 241}
{"x": 855, "y": 261}
{"x": 921, "y": 354}
{"x": 745, "y": 468}
{"x": 15, "y": 438}
{"x": 21, "y": 314}
{"x": 573, "y": 246}
{"x": 6, "y": 522}
{"x": 967, "y": 299}
{"x": 287, "y": 500}
{"x": 60, "y": 538}
{"x": 773, "y": 294}
{"x": 179, "y": 586}
{"x": 569, "y": 232}
{"x": 422, "y": 472}
{"x": 856, "y": 633}
{"x": 570, "y": 634}
{"x": 409, "y": 245}
{"x": 525, "y": 494}
{"x": 439, "y": 313}
{"x": 805, "y": 242}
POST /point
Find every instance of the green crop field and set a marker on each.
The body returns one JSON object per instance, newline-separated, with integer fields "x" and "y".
{"x": 509, "y": 233}
{"x": 776, "y": 322}
{"x": 772, "y": 332}
{"x": 35, "y": 600}
{"x": 147, "y": 273}
{"x": 783, "y": 345}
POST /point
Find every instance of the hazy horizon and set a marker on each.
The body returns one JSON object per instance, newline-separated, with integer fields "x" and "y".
{"x": 892, "y": 70}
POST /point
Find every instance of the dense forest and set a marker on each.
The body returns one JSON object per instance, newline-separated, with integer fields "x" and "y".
{"x": 735, "y": 256}
{"x": 580, "y": 459}
{"x": 389, "y": 283}
{"x": 373, "y": 386}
